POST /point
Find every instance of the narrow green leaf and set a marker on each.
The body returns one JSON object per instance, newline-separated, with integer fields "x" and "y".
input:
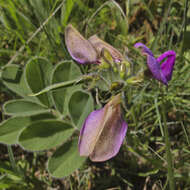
{"x": 46, "y": 134}
{"x": 186, "y": 41}
{"x": 23, "y": 108}
{"x": 80, "y": 105}
{"x": 66, "y": 11}
{"x": 149, "y": 173}
{"x": 65, "y": 160}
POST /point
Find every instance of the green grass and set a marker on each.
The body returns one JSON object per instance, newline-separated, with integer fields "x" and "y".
{"x": 36, "y": 28}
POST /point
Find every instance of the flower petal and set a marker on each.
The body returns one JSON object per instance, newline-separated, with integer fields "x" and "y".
{"x": 80, "y": 49}
{"x": 110, "y": 140}
{"x": 145, "y": 49}
{"x": 155, "y": 69}
{"x": 152, "y": 63}
{"x": 103, "y": 132}
{"x": 100, "y": 45}
{"x": 90, "y": 131}
{"x": 168, "y": 64}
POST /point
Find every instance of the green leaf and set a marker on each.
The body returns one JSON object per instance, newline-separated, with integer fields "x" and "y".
{"x": 46, "y": 134}
{"x": 37, "y": 72}
{"x": 152, "y": 172}
{"x": 23, "y": 108}
{"x": 186, "y": 41}
{"x": 65, "y": 160}
{"x": 10, "y": 73}
{"x": 66, "y": 11}
{"x": 11, "y": 128}
{"x": 63, "y": 72}
{"x": 13, "y": 78}
{"x": 80, "y": 105}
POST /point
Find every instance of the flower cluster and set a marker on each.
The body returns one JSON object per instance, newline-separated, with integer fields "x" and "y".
{"x": 104, "y": 130}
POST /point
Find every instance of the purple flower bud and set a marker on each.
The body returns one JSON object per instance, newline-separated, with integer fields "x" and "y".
{"x": 103, "y": 132}
{"x": 161, "y": 72}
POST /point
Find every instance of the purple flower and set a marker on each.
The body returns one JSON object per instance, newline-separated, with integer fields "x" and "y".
{"x": 161, "y": 72}
{"x": 88, "y": 51}
{"x": 103, "y": 132}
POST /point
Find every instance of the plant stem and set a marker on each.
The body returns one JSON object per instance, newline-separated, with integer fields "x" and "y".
{"x": 70, "y": 83}
{"x": 168, "y": 151}
{"x": 12, "y": 159}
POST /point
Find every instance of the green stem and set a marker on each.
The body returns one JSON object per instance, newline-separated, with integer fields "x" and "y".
{"x": 70, "y": 83}
{"x": 168, "y": 151}
{"x": 12, "y": 159}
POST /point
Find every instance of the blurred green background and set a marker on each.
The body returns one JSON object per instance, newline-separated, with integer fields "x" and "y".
{"x": 30, "y": 28}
